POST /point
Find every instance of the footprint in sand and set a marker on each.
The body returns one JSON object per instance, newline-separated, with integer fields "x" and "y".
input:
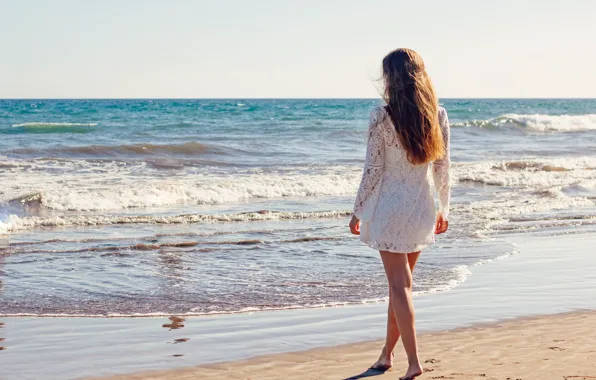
{"x": 461, "y": 375}
{"x": 432, "y": 361}
{"x": 556, "y": 348}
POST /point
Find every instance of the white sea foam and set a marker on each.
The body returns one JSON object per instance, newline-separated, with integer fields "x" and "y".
{"x": 14, "y": 223}
{"x": 461, "y": 274}
{"x": 537, "y": 122}
{"x": 501, "y": 257}
{"x": 42, "y": 124}
{"x": 92, "y": 186}
{"x": 110, "y": 186}
{"x": 532, "y": 173}
{"x": 523, "y": 187}
{"x": 203, "y": 191}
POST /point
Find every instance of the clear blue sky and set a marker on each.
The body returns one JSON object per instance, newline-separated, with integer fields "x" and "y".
{"x": 292, "y": 48}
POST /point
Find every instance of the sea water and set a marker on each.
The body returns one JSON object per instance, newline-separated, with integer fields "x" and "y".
{"x": 145, "y": 207}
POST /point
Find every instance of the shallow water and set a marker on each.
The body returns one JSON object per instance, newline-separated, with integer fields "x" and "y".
{"x": 513, "y": 287}
{"x": 143, "y": 207}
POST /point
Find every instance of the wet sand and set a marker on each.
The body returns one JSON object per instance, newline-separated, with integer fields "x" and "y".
{"x": 551, "y": 347}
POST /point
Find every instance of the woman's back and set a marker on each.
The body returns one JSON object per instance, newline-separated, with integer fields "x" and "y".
{"x": 395, "y": 202}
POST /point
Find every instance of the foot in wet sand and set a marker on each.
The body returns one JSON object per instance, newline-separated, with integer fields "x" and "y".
{"x": 413, "y": 372}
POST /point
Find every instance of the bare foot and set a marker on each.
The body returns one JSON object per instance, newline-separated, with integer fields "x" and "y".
{"x": 413, "y": 372}
{"x": 385, "y": 361}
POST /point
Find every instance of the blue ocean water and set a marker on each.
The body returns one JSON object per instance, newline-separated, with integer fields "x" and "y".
{"x": 203, "y": 206}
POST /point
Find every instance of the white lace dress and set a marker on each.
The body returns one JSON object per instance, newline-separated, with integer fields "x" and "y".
{"x": 394, "y": 202}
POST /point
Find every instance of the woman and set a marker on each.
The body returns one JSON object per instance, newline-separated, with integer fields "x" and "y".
{"x": 395, "y": 210}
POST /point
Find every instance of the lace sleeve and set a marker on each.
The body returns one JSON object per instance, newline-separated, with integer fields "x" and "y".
{"x": 441, "y": 168}
{"x": 373, "y": 166}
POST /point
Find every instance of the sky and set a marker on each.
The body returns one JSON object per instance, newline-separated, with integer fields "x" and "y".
{"x": 292, "y": 48}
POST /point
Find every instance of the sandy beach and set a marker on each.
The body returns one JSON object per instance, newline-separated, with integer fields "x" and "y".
{"x": 552, "y": 347}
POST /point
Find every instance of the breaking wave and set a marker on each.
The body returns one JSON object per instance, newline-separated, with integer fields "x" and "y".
{"x": 522, "y": 186}
{"x": 114, "y": 189}
{"x": 537, "y": 122}
{"x": 531, "y": 174}
{"x": 121, "y": 190}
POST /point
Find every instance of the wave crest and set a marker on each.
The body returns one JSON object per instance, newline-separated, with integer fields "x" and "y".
{"x": 190, "y": 149}
{"x": 15, "y": 223}
{"x": 531, "y": 174}
{"x": 122, "y": 190}
{"x": 537, "y": 122}
{"x": 42, "y": 124}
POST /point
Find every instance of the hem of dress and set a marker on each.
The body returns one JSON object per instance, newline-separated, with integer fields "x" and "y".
{"x": 417, "y": 248}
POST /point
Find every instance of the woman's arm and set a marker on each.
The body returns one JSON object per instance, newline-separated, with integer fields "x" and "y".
{"x": 373, "y": 165}
{"x": 441, "y": 169}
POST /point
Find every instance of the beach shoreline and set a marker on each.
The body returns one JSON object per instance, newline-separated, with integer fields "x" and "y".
{"x": 538, "y": 347}
{"x": 542, "y": 279}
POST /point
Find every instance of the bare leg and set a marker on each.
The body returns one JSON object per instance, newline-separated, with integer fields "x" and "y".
{"x": 386, "y": 359}
{"x": 399, "y": 276}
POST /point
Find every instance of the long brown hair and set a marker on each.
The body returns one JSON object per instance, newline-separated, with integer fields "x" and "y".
{"x": 413, "y": 106}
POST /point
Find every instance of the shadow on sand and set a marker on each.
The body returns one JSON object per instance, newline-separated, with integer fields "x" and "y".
{"x": 368, "y": 373}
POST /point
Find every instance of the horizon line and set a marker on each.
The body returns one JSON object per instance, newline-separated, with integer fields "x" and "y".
{"x": 298, "y": 98}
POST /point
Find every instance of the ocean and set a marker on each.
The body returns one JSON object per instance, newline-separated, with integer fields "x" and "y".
{"x": 192, "y": 207}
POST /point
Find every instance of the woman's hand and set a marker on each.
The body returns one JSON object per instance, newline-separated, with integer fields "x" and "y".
{"x": 355, "y": 225}
{"x": 441, "y": 224}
